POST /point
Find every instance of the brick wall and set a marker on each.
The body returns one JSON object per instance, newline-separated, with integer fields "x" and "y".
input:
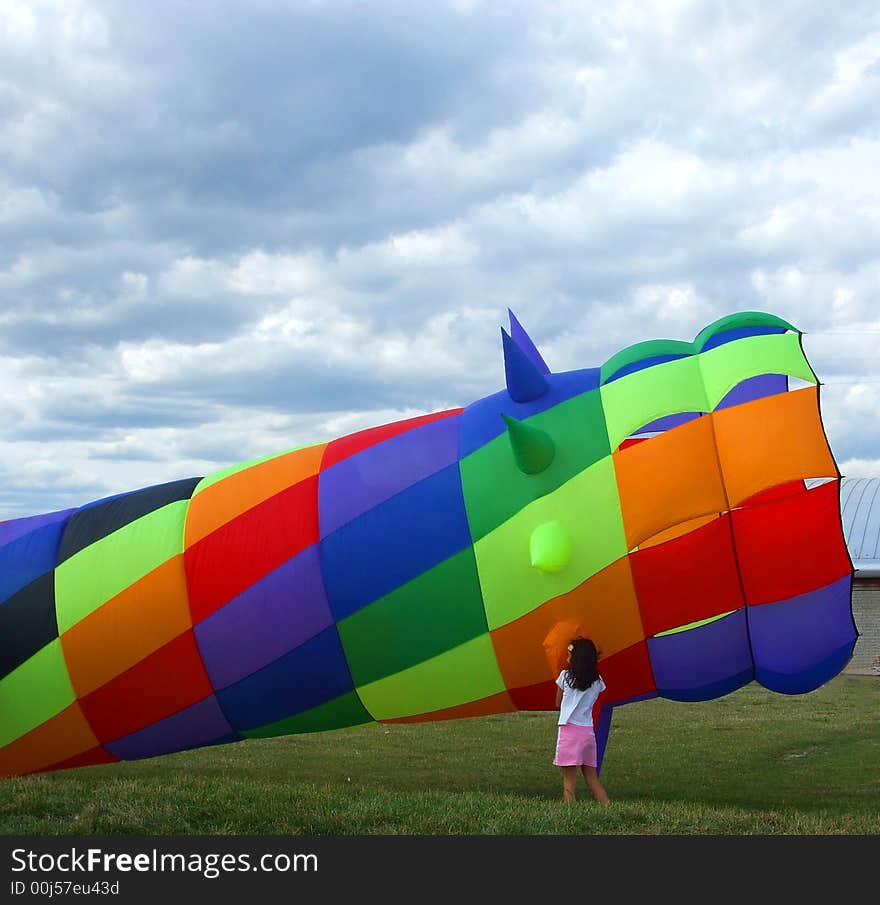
{"x": 866, "y": 609}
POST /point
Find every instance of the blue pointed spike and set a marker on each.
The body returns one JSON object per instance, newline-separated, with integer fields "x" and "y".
{"x": 524, "y": 381}
{"x": 524, "y": 341}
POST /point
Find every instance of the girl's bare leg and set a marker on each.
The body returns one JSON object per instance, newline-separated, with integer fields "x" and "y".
{"x": 569, "y": 781}
{"x": 591, "y": 777}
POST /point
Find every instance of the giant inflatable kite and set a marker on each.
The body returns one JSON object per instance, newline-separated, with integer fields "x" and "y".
{"x": 680, "y": 505}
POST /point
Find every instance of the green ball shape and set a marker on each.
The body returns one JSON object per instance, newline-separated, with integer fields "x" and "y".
{"x": 550, "y": 547}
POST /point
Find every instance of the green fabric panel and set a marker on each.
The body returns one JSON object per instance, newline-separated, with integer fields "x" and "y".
{"x": 103, "y": 569}
{"x": 639, "y": 398}
{"x": 588, "y": 507}
{"x": 641, "y": 351}
{"x": 461, "y": 675}
{"x": 216, "y": 476}
{"x": 340, "y": 713}
{"x": 738, "y": 320}
{"x": 690, "y": 625}
{"x": 726, "y": 366}
{"x": 34, "y": 692}
{"x": 435, "y": 612}
{"x": 495, "y": 488}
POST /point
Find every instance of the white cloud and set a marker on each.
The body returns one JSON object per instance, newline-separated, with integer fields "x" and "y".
{"x": 280, "y": 224}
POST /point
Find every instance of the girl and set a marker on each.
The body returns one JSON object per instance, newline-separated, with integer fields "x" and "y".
{"x": 579, "y": 686}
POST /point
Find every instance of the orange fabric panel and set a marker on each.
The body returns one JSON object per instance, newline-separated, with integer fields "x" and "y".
{"x": 669, "y": 479}
{"x": 65, "y": 735}
{"x": 604, "y": 607}
{"x": 771, "y": 441}
{"x": 678, "y": 530}
{"x": 128, "y": 627}
{"x": 496, "y": 703}
{"x": 229, "y": 497}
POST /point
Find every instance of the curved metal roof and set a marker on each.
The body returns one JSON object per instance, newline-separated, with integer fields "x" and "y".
{"x": 860, "y": 511}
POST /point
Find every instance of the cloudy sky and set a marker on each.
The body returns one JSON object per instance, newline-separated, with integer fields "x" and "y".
{"x": 230, "y": 228}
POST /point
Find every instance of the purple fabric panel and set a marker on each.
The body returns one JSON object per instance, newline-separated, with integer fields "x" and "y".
{"x": 524, "y": 341}
{"x": 351, "y": 487}
{"x": 754, "y": 388}
{"x": 268, "y": 620}
{"x": 667, "y": 422}
{"x": 199, "y": 724}
{"x": 704, "y": 656}
{"x": 12, "y": 530}
{"x": 791, "y": 636}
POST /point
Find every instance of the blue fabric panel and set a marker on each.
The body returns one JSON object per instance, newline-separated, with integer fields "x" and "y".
{"x": 754, "y": 388}
{"x": 394, "y": 542}
{"x": 524, "y": 341}
{"x": 740, "y": 333}
{"x": 16, "y": 528}
{"x": 634, "y": 366}
{"x": 791, "y": 638}
{"x": 29, "y": 557}
{"x": 703, "y": 662}
{"x": 369, "y": 477}
{"x": 524, "y": 381}
{"x": 311, "y": 674}
{"x": 481, "y": 421}
{"x": 713, "y": 689}
{"x": 810, "y": 679}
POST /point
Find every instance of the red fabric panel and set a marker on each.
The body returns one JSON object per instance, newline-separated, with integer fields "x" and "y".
{"x": 535, "y": 697}
{"x": 347, "y": 446}
{"x": 632, "y": 441}
{"x": 88, "y": 758}
{"x": 686, "y": 579}
{"x": 780, "y": 491}
{"x": 167, "y": 681}
{"x": 791, "y": 546}
{"x": 627, "y": 674}
{"x": 243, "y": 551}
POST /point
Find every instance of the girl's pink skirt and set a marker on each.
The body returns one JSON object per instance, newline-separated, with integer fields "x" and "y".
{"x": 575, "y": 745}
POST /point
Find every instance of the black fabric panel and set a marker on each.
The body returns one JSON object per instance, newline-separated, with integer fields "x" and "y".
{"x": 27, "y": 622}
{"x": 94, "y": 522}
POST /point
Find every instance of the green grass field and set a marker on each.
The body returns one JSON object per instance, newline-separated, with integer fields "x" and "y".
{"x": 752, "y": 762}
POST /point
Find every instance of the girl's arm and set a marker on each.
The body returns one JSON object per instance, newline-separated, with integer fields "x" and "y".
{"x": 558, "y": 696}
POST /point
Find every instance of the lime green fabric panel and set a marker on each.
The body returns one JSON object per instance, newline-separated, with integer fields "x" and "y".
{"x": 108, "y": 566}
{"x": 640, "y": 351}
{"x": 34, "y": 692}
{"x": 738, "y": 320}
{"x": 340, "y": 713}
{"x": 690, "y": 625}
{"x": 216, "y": 476}
{"x": 495, "y": 488}
{"x": 588, "y": 507}
{"x": 635, "y": 400}
{"x": 727, "y": 365}
{"x": 466, "y": 673}
{"x": 436, "y": 611}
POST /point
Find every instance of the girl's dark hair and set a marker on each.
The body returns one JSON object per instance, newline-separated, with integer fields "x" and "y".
{"x": 582, "y": 667}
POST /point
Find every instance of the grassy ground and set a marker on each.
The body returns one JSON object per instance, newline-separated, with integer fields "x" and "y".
{"x": 752, "y": 762}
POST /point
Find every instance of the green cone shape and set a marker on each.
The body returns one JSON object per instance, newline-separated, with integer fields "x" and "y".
{"x": 550, "y": 547}
{"x": 532, "y": 448}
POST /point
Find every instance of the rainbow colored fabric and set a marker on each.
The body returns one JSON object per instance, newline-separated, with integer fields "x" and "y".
{"x": 431, "y": 568}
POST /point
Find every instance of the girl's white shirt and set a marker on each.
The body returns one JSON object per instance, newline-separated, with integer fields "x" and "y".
{"x": 577, "y": 705}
